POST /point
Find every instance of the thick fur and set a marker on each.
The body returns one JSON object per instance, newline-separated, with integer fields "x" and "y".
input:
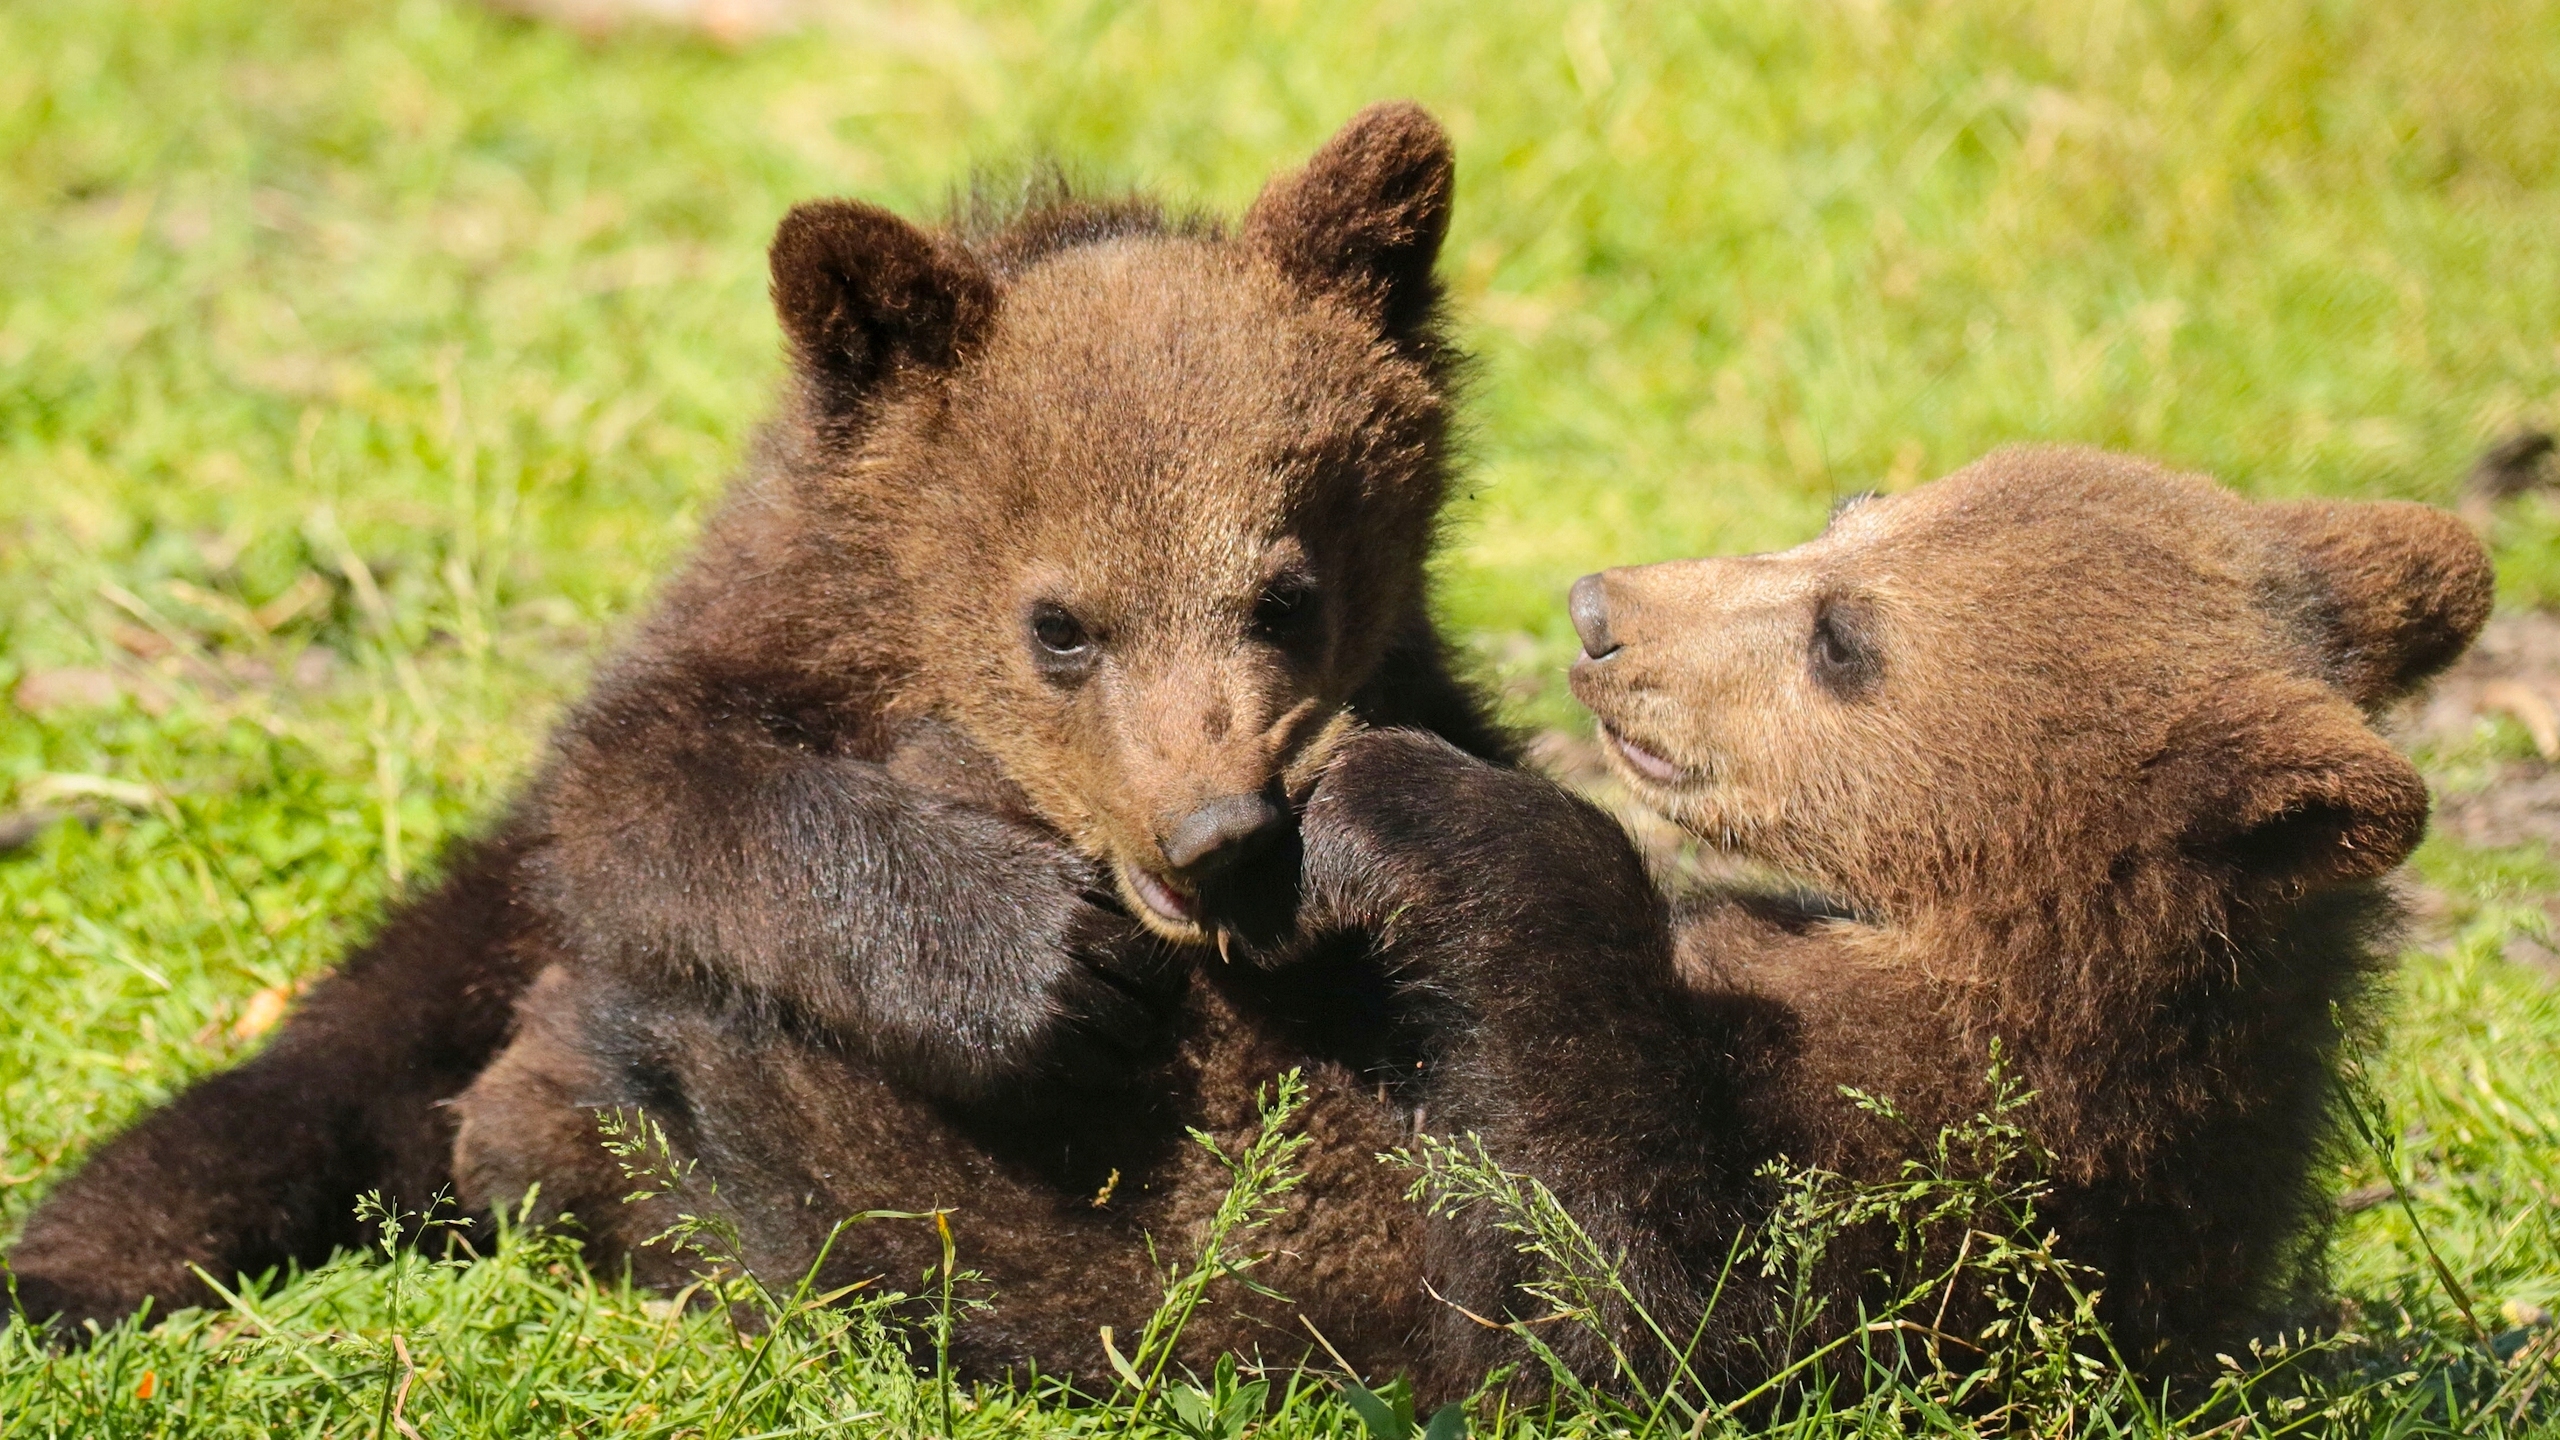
{"x": 1222, "y": 457}
{"x": 2079, "y": 747}
{"x": 2129, "y": 828}
{"x": 1055, "y": 1207}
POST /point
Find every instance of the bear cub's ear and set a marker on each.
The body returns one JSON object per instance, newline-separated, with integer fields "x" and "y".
{"x": 1365, "y": 218}
{"x": 859, "y": 291}
{"x": 2404, "y": 588}
{"x": 2287, "y": 784}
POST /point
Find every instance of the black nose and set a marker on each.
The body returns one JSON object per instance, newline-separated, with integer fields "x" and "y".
{"x": 1216, "y": 832}
{"x": 1590, "y": 606}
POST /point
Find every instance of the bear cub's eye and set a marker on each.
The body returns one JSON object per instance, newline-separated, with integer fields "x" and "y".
{"x": 1061, "y": 646}
{"x": 1842, "y": 652}
{"x": 1284, "y": 607}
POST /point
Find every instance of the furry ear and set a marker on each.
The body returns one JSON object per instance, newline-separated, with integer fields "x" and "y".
{"x": 1365, "y": 218}
{"x": 859, "y": 290}
{"x": 2402, "y": 589}
{"x": 2282, "y": 780}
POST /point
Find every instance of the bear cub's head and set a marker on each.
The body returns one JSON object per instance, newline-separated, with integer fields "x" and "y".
{"x": 2058, "y": 682}
{"x": 1136, "y": 505}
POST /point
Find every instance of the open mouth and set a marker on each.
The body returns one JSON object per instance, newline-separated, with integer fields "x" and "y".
{"x": 1644, "y": 762}
{"x": 1177, "y": 909}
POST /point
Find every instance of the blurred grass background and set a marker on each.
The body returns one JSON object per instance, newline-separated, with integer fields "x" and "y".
{"x": 362, "y": 363}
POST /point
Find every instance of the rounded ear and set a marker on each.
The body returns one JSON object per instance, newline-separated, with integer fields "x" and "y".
{"x": 859, "y": 290}
{"x": 1365, "y": 218}
{"x": 2402, "y": 588}
{"x": 2280, "y": 779}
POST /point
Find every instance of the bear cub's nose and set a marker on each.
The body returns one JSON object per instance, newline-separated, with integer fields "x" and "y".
{"x": 1589, "y": 604}
{"x": 1213, "y": 834}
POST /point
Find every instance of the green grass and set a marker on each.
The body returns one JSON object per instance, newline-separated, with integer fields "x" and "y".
{"x": 475, "y": 309}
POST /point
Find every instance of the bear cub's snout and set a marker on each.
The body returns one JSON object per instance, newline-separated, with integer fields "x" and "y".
{"x": 1211, "y": 838}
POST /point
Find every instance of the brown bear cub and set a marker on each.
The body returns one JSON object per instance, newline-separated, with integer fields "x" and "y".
{"x": 2078, "y": 753}
{"x": 1115, "y": 522}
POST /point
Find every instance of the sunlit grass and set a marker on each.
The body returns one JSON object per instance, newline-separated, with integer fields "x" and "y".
{"x": 292, "y": 291}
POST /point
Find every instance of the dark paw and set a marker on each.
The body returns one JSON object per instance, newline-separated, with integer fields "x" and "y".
{"x": 1407, "y": 830}
{"x": 1396, "y": 822}
{"x": 1117, "y": 1001}
{"x": 63, "y": 1312}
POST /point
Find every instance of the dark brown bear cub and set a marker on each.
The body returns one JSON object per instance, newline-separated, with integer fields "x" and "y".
{"x": 1133, "y": 509}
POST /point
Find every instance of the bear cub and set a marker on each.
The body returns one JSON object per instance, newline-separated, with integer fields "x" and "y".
{"x": 1131, "y": 508}
{"x": 2067, "y": 754}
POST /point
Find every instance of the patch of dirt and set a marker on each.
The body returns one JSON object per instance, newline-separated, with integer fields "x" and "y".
{"x": 43, "y": 692}
{"x": 2522, "y": 804}
{"x": 2514, "y": 670}
{"x": 904, "y": 27}
{"x": 726, "y": 22}
{"x": 154, "y": 675}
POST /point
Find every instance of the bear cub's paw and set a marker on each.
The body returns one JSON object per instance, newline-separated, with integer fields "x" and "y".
{"x": 1429, "y": 848}
{"x": 1116, "y": 998}
{"x": 62, "y": 1310}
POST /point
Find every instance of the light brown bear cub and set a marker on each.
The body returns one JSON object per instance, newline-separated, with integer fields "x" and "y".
{"x": 2078, "y": 753}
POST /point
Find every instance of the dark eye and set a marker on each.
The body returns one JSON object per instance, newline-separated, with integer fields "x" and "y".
{"x": 1285, "y": 606}
{"x": 1059, "y": 633}
{"x": 1060, "y": 644}
{"x": 1842, "y": 652}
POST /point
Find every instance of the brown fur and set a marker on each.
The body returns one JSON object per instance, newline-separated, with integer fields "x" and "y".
{"x": 2076, "y": 752}
{"x": 2127, "y": 826}
{"x": 1057, "y": 1211}
{"x": 1220, "y": 457}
